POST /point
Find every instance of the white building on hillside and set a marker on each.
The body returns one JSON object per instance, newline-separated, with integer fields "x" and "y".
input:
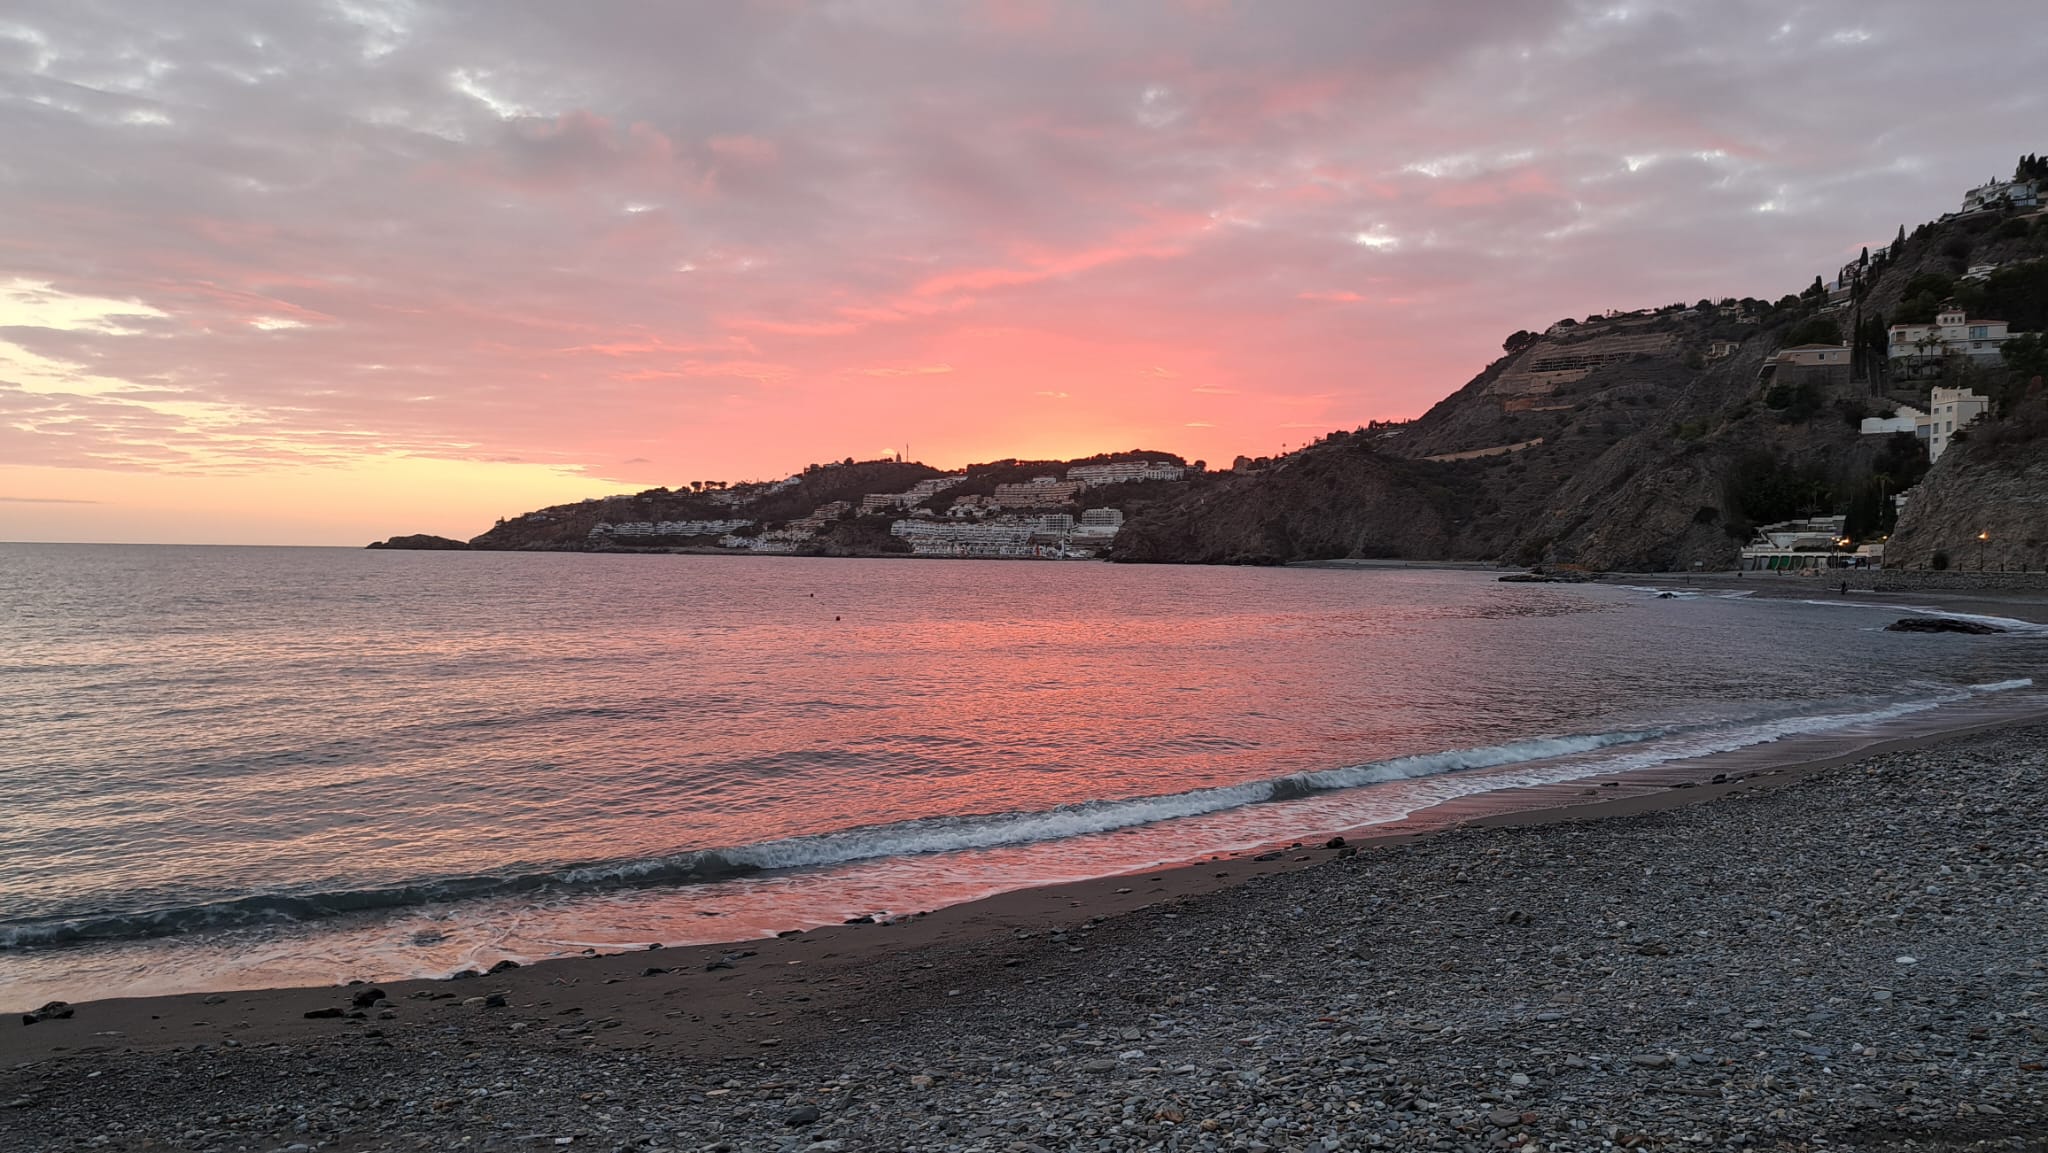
{"x": 1905, "y": 418}
{"x": 1951, "y": 409}
{"x": 1126, "y": 470}
{"x": 1952, "y": 333}
{"x": 1042, "y": 492}
{"x": 1992, "y": 193}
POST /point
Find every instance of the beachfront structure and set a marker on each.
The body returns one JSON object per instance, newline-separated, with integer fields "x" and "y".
{"x": 1099, "y": 524}
{"x": 1951, "y": 409}
{"x": 1915, "y": 347}
{"x": 1042, "y": 492}
{"x": 1052, "y": 536}
{"x": 647, "y": 528}
{"x": 1808, "y": 544}
{"x": 1122, "y": 471}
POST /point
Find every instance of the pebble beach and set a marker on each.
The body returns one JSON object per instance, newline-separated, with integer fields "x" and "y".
{"x": 1853, "y": 957}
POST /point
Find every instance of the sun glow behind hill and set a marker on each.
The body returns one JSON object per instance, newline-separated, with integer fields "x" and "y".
{"x": 457, "y": 265}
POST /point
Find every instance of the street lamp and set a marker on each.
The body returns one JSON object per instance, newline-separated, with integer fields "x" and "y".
{"x": 1982, "y": 538}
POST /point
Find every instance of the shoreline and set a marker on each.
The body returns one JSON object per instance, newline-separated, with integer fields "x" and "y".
{"x": 1847, "y": 951}
{"x": 1769, "y": 962}
{"x": 276, "y": 1014}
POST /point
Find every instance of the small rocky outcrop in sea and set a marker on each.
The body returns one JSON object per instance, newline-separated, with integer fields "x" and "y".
{"x": 1940, "y": 625}
{"x": 426, "y": 542}
{"x": 1550, "y": 576}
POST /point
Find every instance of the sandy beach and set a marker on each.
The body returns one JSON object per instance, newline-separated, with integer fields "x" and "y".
{"x": 1853, "y": 950}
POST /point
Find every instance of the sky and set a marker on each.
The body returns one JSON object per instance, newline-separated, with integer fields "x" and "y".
{"x": 320, "y": 271}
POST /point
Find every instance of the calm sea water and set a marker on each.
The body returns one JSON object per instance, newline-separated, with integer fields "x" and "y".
{"x": 239, "y": 766}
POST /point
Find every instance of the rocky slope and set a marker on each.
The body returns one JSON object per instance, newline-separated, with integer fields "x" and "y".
{"x": 1652, "y": 441}
{"x": 1990, "y": 483}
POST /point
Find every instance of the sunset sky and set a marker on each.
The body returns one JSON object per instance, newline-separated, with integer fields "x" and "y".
{"x": 318, "y": 271}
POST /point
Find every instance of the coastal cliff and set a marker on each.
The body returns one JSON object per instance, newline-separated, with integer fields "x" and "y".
{"x": 420, "y": 542}
{"x": 1993, "y": 482}
{"x": 1660, "y": 439}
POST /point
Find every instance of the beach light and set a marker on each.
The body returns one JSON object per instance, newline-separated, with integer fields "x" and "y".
{"x": 1982, "y": 539}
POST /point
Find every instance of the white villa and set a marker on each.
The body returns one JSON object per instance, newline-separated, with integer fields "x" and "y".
{"x": 1952, "y": 333}
{"x": 2018, "y": 193}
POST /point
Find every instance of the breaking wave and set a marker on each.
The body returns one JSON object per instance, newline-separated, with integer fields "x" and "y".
{"x": 1551, "y": 758}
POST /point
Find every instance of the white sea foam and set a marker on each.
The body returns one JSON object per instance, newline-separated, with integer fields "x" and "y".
{"x": 2005, "y": 686}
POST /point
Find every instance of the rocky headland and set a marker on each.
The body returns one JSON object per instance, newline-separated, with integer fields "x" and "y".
{"x": 424, "y": 542}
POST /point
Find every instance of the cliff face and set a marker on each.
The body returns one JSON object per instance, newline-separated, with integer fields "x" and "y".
{"x": 1991, "y": 484}
{"x": 1336, "y": 500}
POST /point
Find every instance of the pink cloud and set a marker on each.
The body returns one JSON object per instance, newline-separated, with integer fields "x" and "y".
{"x": 735, "y": 239}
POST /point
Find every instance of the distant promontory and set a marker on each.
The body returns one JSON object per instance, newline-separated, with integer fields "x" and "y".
{"x": 422, "y": 542}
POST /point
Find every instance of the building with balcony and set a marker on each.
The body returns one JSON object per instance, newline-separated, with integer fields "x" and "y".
{"x": 1918, "y": 349}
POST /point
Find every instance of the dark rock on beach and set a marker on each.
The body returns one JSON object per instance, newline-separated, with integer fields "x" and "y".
{"x": 54, "y": 1011}
{"x": 1941, "y": 625}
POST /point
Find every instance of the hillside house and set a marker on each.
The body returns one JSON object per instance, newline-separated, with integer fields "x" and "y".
{"x": 1994, "y": 193}
{"x": 1914, "y": 348}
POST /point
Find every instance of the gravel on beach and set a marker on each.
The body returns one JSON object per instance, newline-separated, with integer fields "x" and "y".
{"x": 1854, "y": 960}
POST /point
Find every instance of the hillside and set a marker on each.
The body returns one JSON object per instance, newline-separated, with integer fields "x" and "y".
{"x": 1650, "y": 441}
{"x": 819, "y": 510}
{"x": 1995, "y": 483}
{"x": 1653, "y": 440}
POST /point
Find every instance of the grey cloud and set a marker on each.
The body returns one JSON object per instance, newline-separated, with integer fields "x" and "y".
{"x": 323, "y": 163}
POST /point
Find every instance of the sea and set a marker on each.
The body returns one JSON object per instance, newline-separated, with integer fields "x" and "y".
{"x": 253, "y": 767}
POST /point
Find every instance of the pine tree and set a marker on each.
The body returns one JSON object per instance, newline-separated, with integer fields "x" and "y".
{"x": 1899, "y": 243}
